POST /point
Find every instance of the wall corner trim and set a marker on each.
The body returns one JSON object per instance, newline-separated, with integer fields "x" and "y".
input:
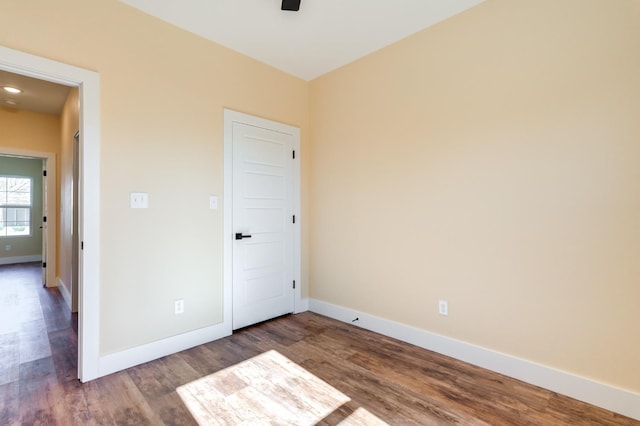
{"x": 599, "y": 394}
{"x": 64, "y": 291}
{"x": 303, "y": 305}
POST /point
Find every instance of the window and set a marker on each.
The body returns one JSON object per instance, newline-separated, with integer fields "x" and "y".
{"x": 15, "y": 206}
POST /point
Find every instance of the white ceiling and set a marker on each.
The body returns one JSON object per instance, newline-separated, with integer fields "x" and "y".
{"x": 322, "y": 36}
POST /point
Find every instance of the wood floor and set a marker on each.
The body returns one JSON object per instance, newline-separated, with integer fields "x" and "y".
{"x": 396, "y": 382}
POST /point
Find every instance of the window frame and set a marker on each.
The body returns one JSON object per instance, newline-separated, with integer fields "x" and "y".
{"x": 3, "y": 231}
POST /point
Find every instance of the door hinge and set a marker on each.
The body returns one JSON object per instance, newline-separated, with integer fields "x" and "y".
{"x": 81, "y": 245}
{"x": 294, "y": 284}
{"x": 44, "y": 218}
{"x": 44, "y": 173}
{"x": 294, "y": 218}
{"x": 44, "y": 264}
{"x": 294, "y": 154}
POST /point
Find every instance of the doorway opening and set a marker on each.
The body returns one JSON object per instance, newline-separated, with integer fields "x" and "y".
{"x": 25, "y": 197}
{"x": 37, "y": 211}
{"x": 88, "y": 84}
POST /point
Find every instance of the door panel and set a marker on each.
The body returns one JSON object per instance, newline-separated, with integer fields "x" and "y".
{"x": 263, "y": 186}
{"x": 262, "y": 211}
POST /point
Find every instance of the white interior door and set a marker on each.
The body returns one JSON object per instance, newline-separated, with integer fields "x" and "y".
{"x": 44, "y": 227}
{"x": 263, "y": 267}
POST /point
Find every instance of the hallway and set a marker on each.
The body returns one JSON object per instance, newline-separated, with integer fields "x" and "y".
{"x": 38, "y": 337}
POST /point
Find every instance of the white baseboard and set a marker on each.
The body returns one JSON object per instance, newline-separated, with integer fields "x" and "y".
{"x": 128, "y": 358}
{"x": 140, "y": 354}
{"x": 64, "y": 291}
{"x": 20, "y": 259}
{"x": 602, "y": 395}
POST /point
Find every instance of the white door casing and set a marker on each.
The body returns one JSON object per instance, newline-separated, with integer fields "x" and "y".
{"x": 261, "y": 200}
{"x": 75, "y": 243}
{"x": 88, "y": 83}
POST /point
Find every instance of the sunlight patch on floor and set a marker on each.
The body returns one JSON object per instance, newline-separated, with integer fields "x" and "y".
{"x": 362, "y": 417}
{"x": 266, "y": 389}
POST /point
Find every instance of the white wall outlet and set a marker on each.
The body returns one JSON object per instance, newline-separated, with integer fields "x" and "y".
{"x": 213, "y": 202}
{"x": 7, "y": 247}
{"x": 178, "y": 306}
{"x": 443, "y": 307}
{"x": 139, "y": 200}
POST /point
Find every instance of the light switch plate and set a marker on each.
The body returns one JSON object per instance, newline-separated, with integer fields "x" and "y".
{"x": 443, "y": 307}
{"x": 139, "y": 200}
{"x": 178, "y": 306}
{"x": 213, "y": 202}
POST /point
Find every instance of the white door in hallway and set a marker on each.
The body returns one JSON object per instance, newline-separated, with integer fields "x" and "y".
{"x": 263, "y": 267}
{"x": 45, "y": 226}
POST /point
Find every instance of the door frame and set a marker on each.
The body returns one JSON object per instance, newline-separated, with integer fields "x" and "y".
{"x": 88, "y": 83}
{"x": 49, "y": 208}
{"x": 231, "y": 117}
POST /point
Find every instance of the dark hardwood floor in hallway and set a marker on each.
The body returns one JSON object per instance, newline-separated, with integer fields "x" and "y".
{"x": 396, "y": 382}
{"x": 38, "y": 343}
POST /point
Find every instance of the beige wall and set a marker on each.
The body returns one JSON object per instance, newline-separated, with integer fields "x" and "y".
{"x": 29, "y": 130}
{"x": 163, "y": 91}
{"x": 493, "y": 161}
{"x": 25, "y": 245}
{"x": 32, "y": 131}
{"x": 68, "y": 128}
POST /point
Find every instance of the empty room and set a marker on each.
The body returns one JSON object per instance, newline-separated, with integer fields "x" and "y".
{"x": 320, "y": 212}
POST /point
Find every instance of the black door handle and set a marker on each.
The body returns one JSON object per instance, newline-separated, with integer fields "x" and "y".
{"x": 239, "y": 236}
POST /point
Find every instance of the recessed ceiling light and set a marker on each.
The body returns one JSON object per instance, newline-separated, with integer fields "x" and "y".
{"x": 12, "y": 89}
{"x": 10, "y": 102}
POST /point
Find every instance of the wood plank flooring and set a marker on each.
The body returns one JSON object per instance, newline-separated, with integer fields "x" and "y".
{"x": 396, "y": 382}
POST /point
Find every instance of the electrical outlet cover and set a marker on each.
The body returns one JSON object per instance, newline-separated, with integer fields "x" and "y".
{"x": 139, "y": 200}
